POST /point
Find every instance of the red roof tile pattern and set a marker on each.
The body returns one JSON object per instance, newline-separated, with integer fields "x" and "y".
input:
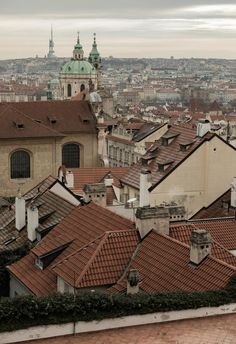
{"x": 222, "y": 231}
{"x": 84, "y": 176}
{"x": 79, "y": 228}
{"x": 158, "y": 153}
{"x": 99, "y": 263}
{"x": 216, "y": 209}
{"x": 163, "y": 265}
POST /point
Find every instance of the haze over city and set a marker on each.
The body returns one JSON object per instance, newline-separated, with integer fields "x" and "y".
{"x": 132, "y": 28}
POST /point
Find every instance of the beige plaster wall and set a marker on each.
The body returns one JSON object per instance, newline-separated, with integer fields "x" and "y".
{"x": 200, "y": 179}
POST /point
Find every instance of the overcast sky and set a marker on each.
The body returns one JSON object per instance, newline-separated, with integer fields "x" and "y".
{"x": 125, "y": 28}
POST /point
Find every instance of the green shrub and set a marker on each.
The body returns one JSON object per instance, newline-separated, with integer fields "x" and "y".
{"x": 25, "y": 311}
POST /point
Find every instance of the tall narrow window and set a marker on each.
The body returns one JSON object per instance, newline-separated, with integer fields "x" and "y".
{"x": 71, "y": 155}
{"x": 20, "y": 164}
{"x": 69, "y": 90}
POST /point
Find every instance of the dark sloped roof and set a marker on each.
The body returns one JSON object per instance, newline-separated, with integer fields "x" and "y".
{"x": 216, "y": 209}
{"x": 67, "y": 116}
{"x": 16, "y": 124}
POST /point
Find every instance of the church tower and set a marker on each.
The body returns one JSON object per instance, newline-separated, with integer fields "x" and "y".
{"x": 51, "y": 52}
{"x": 78, "y": 74}
{"x": 95, "y": 60}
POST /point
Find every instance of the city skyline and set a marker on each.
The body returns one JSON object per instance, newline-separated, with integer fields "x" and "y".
{"x": 125, "y": 29}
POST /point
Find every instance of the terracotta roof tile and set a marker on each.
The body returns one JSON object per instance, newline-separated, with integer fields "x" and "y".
{"x": 79, "y": 228}
{"x": 163, "y": 265}
{"x": 101, "y": 262}
{"x": 84, "y": 176}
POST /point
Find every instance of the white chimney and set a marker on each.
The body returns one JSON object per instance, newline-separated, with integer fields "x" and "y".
{"x": 70, "y": 179}
{"x": 200, "y": 245}
{"x": 19, "y": 213}
{"x": 156, "y": 218}
{"x": 233, "y": 193}
{"x": 32, "y": 222}
{"x": 145, "y": 183}
{"x": 203, "y": 127}
{"x": 108, "y": 180}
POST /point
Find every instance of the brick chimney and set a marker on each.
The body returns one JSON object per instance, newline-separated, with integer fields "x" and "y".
{"x": 156, "y": 218}
{"x": 32, "y": 222}
{"x": 200, "y": 245}
{"x": 19, "y": 213}
{"x": 133, "y": 281}
{"x": 145, "y": 183}
{"x": 233, "y": 193}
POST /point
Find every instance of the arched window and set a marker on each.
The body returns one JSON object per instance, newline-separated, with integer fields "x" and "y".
{"x": 69, "y": 90}
{"x": 20, "y": 164}
{"x": 71, "y": 155}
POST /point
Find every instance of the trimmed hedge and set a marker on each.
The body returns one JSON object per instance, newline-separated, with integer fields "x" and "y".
{"x": 24, "y": 311}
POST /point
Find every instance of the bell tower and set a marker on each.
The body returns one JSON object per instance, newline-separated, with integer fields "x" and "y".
{"x": 95, "y": 60}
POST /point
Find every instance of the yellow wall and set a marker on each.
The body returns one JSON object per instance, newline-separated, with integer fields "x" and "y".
{"x": 46, "y": 158}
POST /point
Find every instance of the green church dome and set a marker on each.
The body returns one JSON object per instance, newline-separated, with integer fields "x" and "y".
{"x": 78, "y": 67}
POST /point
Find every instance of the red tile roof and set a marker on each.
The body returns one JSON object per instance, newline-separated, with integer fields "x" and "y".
{"x": 163, "y": 265}
{"x": 158, "y": 153}
{"x": 99, "y": 263}
{"x": 79, "y": 228}
{"x": 84, "y": 176}
{"x": 222, "y": 231}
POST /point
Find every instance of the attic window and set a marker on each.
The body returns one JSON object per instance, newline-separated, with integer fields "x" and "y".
{"x": 164, "y": 165}
{"x": 185, "y": 146}
{"x": 19, "y": 125}
{"x": 52, "y": 119}
{"x": 168, "y": 138}
{"x": 85, "y": 121}
{"x": 39, "y": 263}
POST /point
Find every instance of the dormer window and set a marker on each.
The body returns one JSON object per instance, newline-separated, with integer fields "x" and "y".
{"x": 52, "y": 119}
{"x": 39, "y": 263}
{"x": 19, "y": 125}
{"x": 185, "y": 146}
{"x": 162, "y": 166}
{"x": 168, "y": 138}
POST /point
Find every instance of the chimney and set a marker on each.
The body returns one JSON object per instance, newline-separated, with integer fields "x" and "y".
{"x": 95, "y": 192}
{"x": 19, "y": 213}
{"x": 233, "y": 193}
{"x": 156, "y": 218}
{"x": 133, "y": 282}
{"x": 32, "y": 222}
{"x": 200, "y": 245}
{"x": 145, "y": 183}
{"x": 70, "y": 179}
{"x": 108, "y": 180}
{"x": 203, "y": 126}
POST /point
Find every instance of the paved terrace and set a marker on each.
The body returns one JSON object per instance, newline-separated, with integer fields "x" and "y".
{"x": 212, "y": 330}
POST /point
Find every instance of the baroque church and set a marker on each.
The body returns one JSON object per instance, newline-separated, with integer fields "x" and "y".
{"x": 80, "y": 74}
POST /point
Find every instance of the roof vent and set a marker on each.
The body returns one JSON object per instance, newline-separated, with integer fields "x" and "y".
{"x": 52, "y": 119}
{"x": 167, "y": 138}
{"x": 185, "y": 146}
{"x": 162, "y": 166}
{"x": 19, "y": 125}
